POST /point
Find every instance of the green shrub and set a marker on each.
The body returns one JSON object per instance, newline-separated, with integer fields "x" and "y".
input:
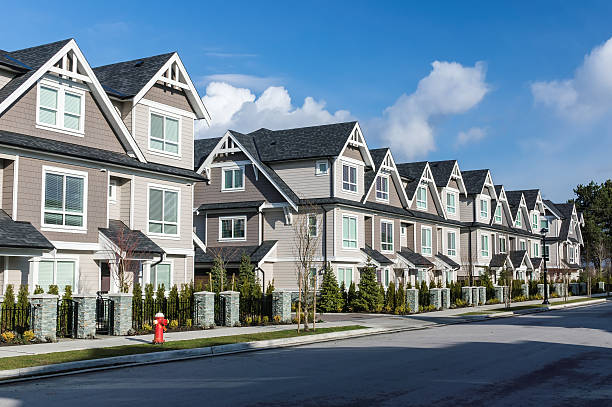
{"x": 492, "y": 301}
{"x": 390, "y": 301}
{"x": 351, "y": 298}
{"x": 160, "y": 294}
{"x": 270, "y": 288}
{"x": 380, "y": 298}
{"x": 331, "y": 297}
{"x": 459, "y": 303}
{"x": 400, "y": 300}
{"x": 53, "y": 289}
{"x": 28, "y": 336}
{"x": 67, "y": 292}
{"x": 368, "y": 297}
{"x": 22, "y": 296}
{"x": 423, "y": 294}
{"x": 9, "y": 297}
{"x": 38, "y": 290}
{"x": 344, "y": 297}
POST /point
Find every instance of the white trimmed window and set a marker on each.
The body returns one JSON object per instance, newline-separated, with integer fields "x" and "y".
{"x": 451, "y": 249}
{"x": 544, "y": 223}
{"x": 547, "y": 252}
{"x": 426, "y": 240}
{"x": 312, "y": 225}
{"x": 321, "y": 167}
{"x": 382, "y": 188}
{"x": 161, "y": 274}
{"x": 484, "y": 208}
{"x": 164, "y": 133}
{"x": 56, "y": 272}
{"x": 403, "y": 230}
{"x": 112, "y": 191}
{"x": 345, "y": 275}
{"x": 502, "y": 245}
{"x": 518, "y": 222}
{"x": 349, "y": 178}
{"x": 65, "y": 199}
{"x": 523, "y": 245}
{"x": 498, "y": 214}
{"x": 232, "y": 228}
{"x": 349, "y": 232}
{"x": 60, "y": 107}
{"x": 571, "y": 253}
{"x": 421, "y": 197}
{"x": 163, "y": 211}
{"x": 386, "y": 236}
{"x": 535, "y": 250}
{"x": 534, "y": 222}
{"x": 387, "y": 277}
{"x": 451, "y": 203}
{"x": 484, "y": 245}
{"x": 233, "y": 179}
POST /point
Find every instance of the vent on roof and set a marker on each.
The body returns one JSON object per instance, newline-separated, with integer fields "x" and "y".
{"x": 139, "y": 64}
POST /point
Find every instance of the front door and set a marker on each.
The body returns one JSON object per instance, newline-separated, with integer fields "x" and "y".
{"x": 104, "y": 277}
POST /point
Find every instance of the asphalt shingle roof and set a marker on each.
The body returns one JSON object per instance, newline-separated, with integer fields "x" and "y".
{"x": 233, "y": 254}
{"x": 537, "y": 262}
{"x": 126, "y": 79}
{"x": 128, "y": 239}
{"x": 378, "y": 155}
{"x": 498, "y": 260}
{"x": 453, "y": 264}
{"x": 411, "y": 172}
{"x": 442, "y": 171}
{"x": 230, "y": 205}
{"x": 553, "y": 208}
{"x": 474, "y": 180}
{"x": 415, "y": 258}
{"x": 202, "y": 148}
{"x": 514, "y": 200}
{"x": 517, "y": 257}
{"x": 22, "y": 235}
{"x": 377, "y": 256}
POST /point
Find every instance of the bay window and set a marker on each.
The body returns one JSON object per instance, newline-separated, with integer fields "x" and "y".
{"x": 163, "y": 211}
{"x": 65, "y": 199}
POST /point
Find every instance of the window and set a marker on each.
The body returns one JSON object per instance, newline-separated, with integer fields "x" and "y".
{"x": 484, "y": 208}
{"x": 502, "y": 245}
{"x": 349, "y": 232}
{"x": 571, "y": 253}
{"x": 161, "y": 276}
{"x": 163, "y": 211}
{"x": 451, "y": 205}
{"x": 547, "y": 252}
{"x": 534, "y": 221}
{"x": 345, "y": 275}
{"x": 232, "y": 228}
{"x": 403, "y": 230}
{"x": 382, "y": 188}
{"x": 60, "y": 107}
{"x": 523, "y": 245}
{"x": 386, "y": 277}
{"x": 321, "y": 167}
{"x": 58, "y": 272}
{"x": 112, "y": 191}
{"x": 426, "y": 241}
{"x": 349, "y": 178}
{"x": 518, "y": 222}
{"x": 484, "y": 245}
{"x": 312, "y": 225}
{"x": 451, "y": 249}
{"x": 421, "y": 276}
{"x": 164, "y": 133}
{"x": 233, "y": 179}
{"x": 386, "y": 236}
{"x": 65, "y": 199}
{"x": 535, "y": 249}
{"x": 544, "y": 223}
{"x": 422, "y": 197}
{"x": 498, "y": 214}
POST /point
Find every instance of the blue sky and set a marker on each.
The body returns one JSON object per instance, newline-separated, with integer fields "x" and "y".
{"x": 524, "y": 89}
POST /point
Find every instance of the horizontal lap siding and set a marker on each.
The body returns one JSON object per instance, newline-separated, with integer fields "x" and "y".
{"x": 89, "y": 274}
{"x": 301, "y": 178}
{"x": 394, "y": 199}
{"x": 214, "y": 225}
{"x": 168, "y": 96}
{"x": 285, "y": 276}
{"x": 8, "y": 173}
{"x": 125, "y": 195}
{"x": 356, "y": 155}
{"x": 18, "y": 271}
{"x": 276, "y": 229}
{"x": 349, "y": 252}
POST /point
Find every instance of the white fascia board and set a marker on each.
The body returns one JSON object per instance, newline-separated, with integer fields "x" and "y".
{"x": 199, "y": 242}
{"x": 364, "y": 149}
{"x": 208, "y": 161}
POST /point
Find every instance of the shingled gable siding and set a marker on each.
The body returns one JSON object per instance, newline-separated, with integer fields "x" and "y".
{"x": 125, "y": 111}
{"x": 141, "y": 134}
{"x": 30, "y": 198}
{"x": 301, "y": 177}
{"x": 466, "y": 208}
{"x": 254, "y": 190}
{"x": 21, "y": 118}
{"x": 214, "y": 225}
{"x": 7, "y": 186}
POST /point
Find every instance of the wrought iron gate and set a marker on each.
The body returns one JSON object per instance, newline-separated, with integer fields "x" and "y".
{"x": 104, "y": 316}
{"x": 219, "y": 310}
{"x": 67, "y": 314}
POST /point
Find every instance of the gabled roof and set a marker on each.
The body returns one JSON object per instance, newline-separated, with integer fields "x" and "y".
{"x": 233, "y": 254}
{"x": 125, "y": 79}
{"x": 202, "y": 149}
{"x": 414, "y": 258}
{"x": 21, "y": 235}
{"x": 127, "y": 239}
{"x": 537, "y": 262}
{"x": 448, "y": 261}
{"x": 9, "y": 62}
{"x": 531, "y": 197}
{"x": 514, "y": 201}
{"x": 412, "y": 173}
{"x": 378, "y": 155}
{"x": 498, "y": 260}
{"x": 553, "y": 209}
{"x": 377, "y": 256}
{"x": 518, "y": 257}
{"x": 442, "y": 171}
{"x": 383, "y": 159}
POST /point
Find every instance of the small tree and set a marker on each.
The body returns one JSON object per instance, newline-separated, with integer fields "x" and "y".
{"x": 22, "y": 296}
{"x": 9, "y": 297}
{"x": 246, "y": 277}
{"x": 160, "y": 294}
{"x": 217, "y": 274}
{"x": 67, "y": 292}
{"x": 38, "y": 290}
{"x": 344, "y": 295}
{"x": 137, "y": 297}
{"x": 53, "y": 289}
{"x": 352, "y": 298}
{"x": 331, "y": 297}
{"x": 368, "y": 296}
{"x": 424, "y": 294}
{"x": 400, "y": 300}
{"x": 270, "y": 288}
{"x": 380, "y": 299}
{"x": 390, "y": 302}
{"x": 149, "y": 293}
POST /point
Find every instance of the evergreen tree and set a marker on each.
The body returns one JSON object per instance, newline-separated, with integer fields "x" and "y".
{"x": 173, "y": 296}
{"x": 9, "y": 297}
{"x": 270, "y": 288}
{"x": 351, "y": 298}
{"x": 331, "y": 297}
{"x": 38, "y": 290}
{"x": 409, "y": 285}
{"x": 218, "y": 275}
{"x": 368, "y": 296}
{"x": 160, "y": 294}
{"x": 423, "y": 294}
{"x": 380, "y": 299}
{"x": 22, "y": 296}
{"x": 53, "y": 289}
{"x": 344, "y": 295}
{"x": 246, "y": 277}
{"x": 137, "y": 297}
{"x": 198, "y": 287}
{"x": 149, "y": 293}
{"x": 390, "y": 298}
{"x": 400, "y": 300}
{"x": 67, "y": 292}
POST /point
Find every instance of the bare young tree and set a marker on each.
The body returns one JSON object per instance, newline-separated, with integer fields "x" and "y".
{"x": 123, "y": 264}
{"x": 307, "y": 237}
{"x": 223, "y": 255}
{"x": 602, "y": 251}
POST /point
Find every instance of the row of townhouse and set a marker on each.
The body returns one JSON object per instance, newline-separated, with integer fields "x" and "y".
{"x": 419, "y": 221}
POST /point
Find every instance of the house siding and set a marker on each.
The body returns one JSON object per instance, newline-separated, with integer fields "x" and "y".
{"x": 394, "y": 199}
{"x": 169, "y": 96}
{"x": 213, "y": 229}
{"x": 301, "y": 177}
{"x": 8, "y": 174}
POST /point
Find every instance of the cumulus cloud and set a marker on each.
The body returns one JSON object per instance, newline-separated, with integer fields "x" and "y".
{"x": 585, "y": 97}
{"x": 449, "y": 89}
{"x": 472, "y": 135}
{"x": 255, "y": 83}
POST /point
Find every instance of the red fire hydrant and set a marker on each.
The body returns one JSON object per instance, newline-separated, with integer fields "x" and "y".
{"x": 160, "y": 327}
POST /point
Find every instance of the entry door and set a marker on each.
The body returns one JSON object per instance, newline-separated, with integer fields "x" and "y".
{"x": 104, "y": 277}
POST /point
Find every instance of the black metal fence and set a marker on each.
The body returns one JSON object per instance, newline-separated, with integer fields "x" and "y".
{"x": 219, "y": 310}
{"x": 255, "y": 308}
{"x": 143, "y": 313}
{"x": 16, "y": 319}
{"x": 67, "y": 315}
{"x": 104, "y": 316}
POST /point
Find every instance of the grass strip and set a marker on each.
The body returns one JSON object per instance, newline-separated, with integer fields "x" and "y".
{"x": 18, "y": 362}
{"x": 534, "y": 306}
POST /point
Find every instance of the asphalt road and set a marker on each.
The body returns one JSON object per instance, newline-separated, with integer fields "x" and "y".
{"x": 557, "y": 358}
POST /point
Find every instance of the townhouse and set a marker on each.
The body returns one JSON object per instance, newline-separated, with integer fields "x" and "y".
{"x": 96, "y": 166}
{"x": 564, "y": 239}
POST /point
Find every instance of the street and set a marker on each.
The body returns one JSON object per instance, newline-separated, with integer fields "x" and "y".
{"x": 553, "y": 358}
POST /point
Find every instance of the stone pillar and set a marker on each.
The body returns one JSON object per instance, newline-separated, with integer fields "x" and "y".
{"x": 205, "y": 309}
{"x": 499, "y": 293}
{"x": 412, "y": 300}
{"x": 232, "y": 308}
{"x": 466, "y": 295}
{"x": 435, "y": 297}
{"x": 541, "y": 289}
{"x": 86, "y": 315}
{"x": 281, "y": 306}
{"x": 482, "y": 295}
{"x": 122, "y": 312}
{"x": 446, "y": 300}
{"x": 574, "y": 288}
{"x": 525, "y": 288}
{"x": 583, "y": 288}
{"x": 475, "y": 294}
{"x": 44, "y": 321}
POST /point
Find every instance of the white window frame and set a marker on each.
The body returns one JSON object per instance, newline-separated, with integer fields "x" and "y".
{"x": 356, "y": 240}
{"x": 232, "y": 218}
{"x": 178, "y": 211}
{"x": 392, "y": 243}
{"x": 63, "y": 172}
{"x": 503, "y": 239}
{"x": 427, "y": 250}
{"x": 232, "y": 168}
{"x": 57, "y": 258}
{"x": 421, "y": 204}
{"x": 150, "y": 269}
{"x": 318, "y": 171}
{"x": 316, "y": 225}
{"x": 518, "y": 222}
{"x": 498, "y": 217}
{"x": 345, "y": 269}
{"x": 484, "y": 252}
{"x": 348, "y": 182}
{"x": 451, "y": 209}
{"x": 112, "y": 191}
{"x": 535, "y": 218}
{"x": 522, "y": 244}
{"x": 535, "y": 249}
{"x": 451, "y": 251}
{"x": 544, "y": 219}
{"x": 484, "y": 209}
{"x": 61, "y": 97}
{"x": 403, "y": 230}
{"x": 546, "y": 253}
{"x": 165, "y": 115}
{"x": 384, "y": 194}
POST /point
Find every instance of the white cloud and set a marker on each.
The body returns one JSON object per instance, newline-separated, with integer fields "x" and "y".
{"x": 588, "y": 95}
{"x": 473, "y": 135}
{"x": 449, "y": 89}
{"x": 256, "y": 83}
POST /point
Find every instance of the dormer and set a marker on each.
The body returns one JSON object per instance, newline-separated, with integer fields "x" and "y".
{"x": 384, "y": 185}
{"x": 421, "y": 189}
{"x": 481, "y": 190}
{"x": 519, "y": 210}
{"x": 451, "y": 187}
{"x": 502, "y": 215}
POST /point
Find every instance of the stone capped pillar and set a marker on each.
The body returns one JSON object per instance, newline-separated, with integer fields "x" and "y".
{"x": 122, "y": 312}
{"x": 482, "y": 295}
{"x": 574, "y": 288}
{"x": 412, "y": 300}
{"x": 281, "y": 306}
{"x": 525, "y": 289}
{"x": 475, "y": 295}
{"x": 446, "y": 298}
{"x": 232, "y": 307}
{"x": 466, "y": 295}
{"x": 204, "y": 302}
{"x": 44, "y": 321}
{"x": 86, "y": 315}
{"x": 541, "y": 289}
{"x": 583, "y": 288}
{"x": 435, "y": 297}
{"x": 499, "y": 293}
